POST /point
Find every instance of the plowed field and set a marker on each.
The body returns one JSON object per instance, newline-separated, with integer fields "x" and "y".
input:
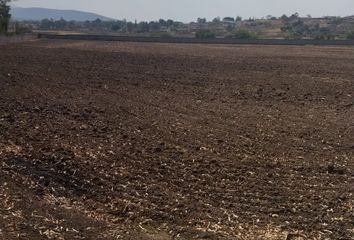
{"x": 165, "y": 141}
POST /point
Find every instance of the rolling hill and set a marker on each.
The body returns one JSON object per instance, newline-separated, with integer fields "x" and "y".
{"x": 19, "y": 13}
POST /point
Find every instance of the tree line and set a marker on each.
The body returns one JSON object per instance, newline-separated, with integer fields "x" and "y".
{"x": 293, "y": 26}
{"x": 119, "y": 25}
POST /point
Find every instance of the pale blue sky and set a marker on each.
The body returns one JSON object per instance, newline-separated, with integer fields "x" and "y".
{"x": 187, "y": 10}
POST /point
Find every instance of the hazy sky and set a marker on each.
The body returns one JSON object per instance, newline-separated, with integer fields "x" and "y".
{"x": 187, "y": 10}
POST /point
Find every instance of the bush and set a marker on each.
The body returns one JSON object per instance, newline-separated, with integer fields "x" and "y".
{"x": 161, "y": 35}
{"x": 296, "y": 30}
{"x": 205, "y": 34}
{"x": 242, "y": 34}
{"x": 325, "y": 36}
{"x": 22, "y": 29}
{"x": 350, "y": 35}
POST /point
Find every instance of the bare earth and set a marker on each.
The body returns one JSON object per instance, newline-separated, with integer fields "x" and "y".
{"x": 161, "y": 141}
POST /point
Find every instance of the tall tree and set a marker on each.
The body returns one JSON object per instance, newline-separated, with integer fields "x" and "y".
{"x": 4, "y": 15}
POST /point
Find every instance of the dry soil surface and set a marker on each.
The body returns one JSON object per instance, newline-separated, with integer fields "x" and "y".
{"x": 164, "y": 141}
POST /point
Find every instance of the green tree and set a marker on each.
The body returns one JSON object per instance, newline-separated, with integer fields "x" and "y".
{"x": 130, "y": 27}
{"x": 297, "y": 29}
{"x": 4, "y": 16}
{"x": 238, "y": 19}
{"x": 216, "y": 20}
{"x": 284, "y": 18}
{"x": 154, "y": 26}
{"x": 46, "y": 24}
{"x": 170, "y": 23}
{"x": 201, "y": 21}
{"x": 205, "y": 34}
{"x": 350, "y": 35}
{"x": 163, "y": 23}
{"x": 143, "y": 27}
{"x": 115, "y": 26}
{"x": 228, "y": 19}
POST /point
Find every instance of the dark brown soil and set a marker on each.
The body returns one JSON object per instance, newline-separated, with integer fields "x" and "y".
{"x": 161, "y": 141}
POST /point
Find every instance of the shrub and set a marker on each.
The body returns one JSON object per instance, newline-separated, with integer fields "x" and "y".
{"x": 242, "y": 34}
{"x": 296, "y": 30}
{"x": 161, "y": 35}
{"x": 205, "y": 34}
{"x": 22, "y": 29}
{"x": 325, "y": 36}
{"x": 350, "y": 35}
